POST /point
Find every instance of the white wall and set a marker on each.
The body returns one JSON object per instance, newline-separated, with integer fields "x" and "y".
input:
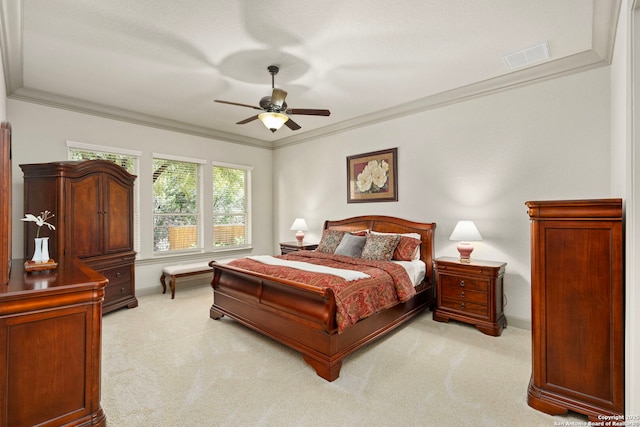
{"x": 40, "y": 134}
{"x": 480, "y": 160}
{"x": 625, "y": 93}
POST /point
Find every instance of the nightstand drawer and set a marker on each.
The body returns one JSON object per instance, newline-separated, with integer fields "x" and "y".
{"x": 463, "y": 283}
{"x": 463, "y": 294}
{"x": 465, "y": 306}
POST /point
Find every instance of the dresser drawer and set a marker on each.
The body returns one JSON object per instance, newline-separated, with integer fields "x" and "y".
{"x": 463, "y": 283}
{"x": 463, "y": 294}
{"x": 119, "y": 285}
{"x": 465, "y": 307}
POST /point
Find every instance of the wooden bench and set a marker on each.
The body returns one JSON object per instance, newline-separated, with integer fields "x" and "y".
{"x": 181, "y": 270}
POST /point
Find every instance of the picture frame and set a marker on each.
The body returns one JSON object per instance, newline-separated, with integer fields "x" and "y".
{"x": 373, "y": 177}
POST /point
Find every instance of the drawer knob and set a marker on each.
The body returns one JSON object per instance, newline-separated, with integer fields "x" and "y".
{"x": 118, "y": 274}
{"x": 461, "y": 305}
{"x": 462, "y": 283}
{"x": 122, "y": 290}
{"x": 462, "y": 294}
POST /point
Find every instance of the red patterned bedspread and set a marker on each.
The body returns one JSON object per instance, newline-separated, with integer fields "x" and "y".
{"x": 388, "y": 285}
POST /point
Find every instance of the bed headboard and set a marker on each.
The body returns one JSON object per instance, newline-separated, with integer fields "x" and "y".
{"x": 389, "y": 224}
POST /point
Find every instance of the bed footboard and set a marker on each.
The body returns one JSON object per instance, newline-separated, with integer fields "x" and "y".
{"x": 299, "y": 303}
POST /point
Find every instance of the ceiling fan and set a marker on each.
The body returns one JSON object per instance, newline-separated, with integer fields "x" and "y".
{"x": 274, "y": 108}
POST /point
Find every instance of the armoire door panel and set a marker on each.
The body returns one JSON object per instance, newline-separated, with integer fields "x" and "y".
{"x": 84, "y": 211}
{"x": 118, "y": 221}
{"x": 574, "y": 294}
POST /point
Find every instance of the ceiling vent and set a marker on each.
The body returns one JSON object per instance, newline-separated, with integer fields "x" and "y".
{"x": 527, "y": 56}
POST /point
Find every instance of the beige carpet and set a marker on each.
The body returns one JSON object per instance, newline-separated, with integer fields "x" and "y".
{"x": 166, "y": 363}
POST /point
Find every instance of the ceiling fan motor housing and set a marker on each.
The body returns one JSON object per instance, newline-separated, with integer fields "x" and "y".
{"x": 265, "y": 104}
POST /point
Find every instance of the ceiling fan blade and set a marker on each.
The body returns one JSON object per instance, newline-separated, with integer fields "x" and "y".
{"x": 291, "y": 124}
{"x": 278, "y": 96}
{"x": 309, "y": 112}
{"x": 245, "y": 121}
{"x": 238, "y": 104}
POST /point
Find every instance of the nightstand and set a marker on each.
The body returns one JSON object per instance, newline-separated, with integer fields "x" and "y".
{"x": 286, "y": 247}
{"x": 470, "y": 292}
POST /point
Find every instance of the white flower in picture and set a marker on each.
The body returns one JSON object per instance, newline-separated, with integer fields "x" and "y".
{"x": 373, "y": 177}
{"x": 364, "y": 180}
{"x": 40, "y": 220}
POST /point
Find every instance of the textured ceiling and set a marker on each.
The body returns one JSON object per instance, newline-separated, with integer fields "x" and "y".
{"x": 163, "y": 62}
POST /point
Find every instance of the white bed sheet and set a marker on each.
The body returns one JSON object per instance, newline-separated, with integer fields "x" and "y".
{"x": 416, "y": 270}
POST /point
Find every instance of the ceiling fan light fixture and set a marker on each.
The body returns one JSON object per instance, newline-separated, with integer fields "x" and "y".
{"x": 273, "y": 121}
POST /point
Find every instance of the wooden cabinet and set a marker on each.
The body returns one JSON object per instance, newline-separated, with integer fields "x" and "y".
{"x": 470, "y": 292}
{"x": 93, "y": 206}
{"x": 50, "y": 346}
{"x": 577, "y": 307}
{"x": 5, "y": 202}
{"x": 286, "y": 247}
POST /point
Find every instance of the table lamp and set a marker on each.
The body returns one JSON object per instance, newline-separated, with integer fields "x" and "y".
{"x": 465, "y": 231}
{"x": 300, "y": 225}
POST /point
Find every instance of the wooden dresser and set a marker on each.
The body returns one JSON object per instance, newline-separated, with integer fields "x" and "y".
{"x": 93, "y": 206}
{"x": 50, "y": 341}
{"x": 577, "y": 307}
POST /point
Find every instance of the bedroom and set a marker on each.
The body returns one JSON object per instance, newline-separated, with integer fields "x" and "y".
{"x": 481, "y": 158}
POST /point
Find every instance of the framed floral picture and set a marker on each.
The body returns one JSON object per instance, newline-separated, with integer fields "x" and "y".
{"x": 373, "y": 177}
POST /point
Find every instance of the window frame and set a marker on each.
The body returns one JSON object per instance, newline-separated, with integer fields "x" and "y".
{"x": 199, "y": 209}
{"x": 247, "y": 213}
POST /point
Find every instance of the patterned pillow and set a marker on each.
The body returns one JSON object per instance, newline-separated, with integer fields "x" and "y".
{"x": 351, "y": 245}
{"x": 330, "y": 241}
{"x": 380, "y": 246}
{"x": 406, "y": 249}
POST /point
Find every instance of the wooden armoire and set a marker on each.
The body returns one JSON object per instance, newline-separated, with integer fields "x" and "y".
{"x": 577, "y": 307}
{"x": 93, "y": 206}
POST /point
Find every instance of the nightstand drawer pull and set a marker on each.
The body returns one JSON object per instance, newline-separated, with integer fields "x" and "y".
{"x": 462, "y": 283}
{"x": 462, "y": 294}
{"x": 462, "y": 305}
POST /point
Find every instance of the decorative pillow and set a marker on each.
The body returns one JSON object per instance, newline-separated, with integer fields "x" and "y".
{"x": 351, "y": 245}
{"x": 406, "y": 249}
{"x": 380, "y": 246}
{"x": 360, "y": 232}
{"x": 330, "y": 241}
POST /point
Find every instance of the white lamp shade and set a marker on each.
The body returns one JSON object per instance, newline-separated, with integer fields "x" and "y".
{"x": 465, "y": 231}
{"x": 299, "y": 225}
{"x": 273, "y": 121}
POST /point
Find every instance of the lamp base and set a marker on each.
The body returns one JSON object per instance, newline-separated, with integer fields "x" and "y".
{"x": 300, "y": 237}
{"x": 465, "y": 250}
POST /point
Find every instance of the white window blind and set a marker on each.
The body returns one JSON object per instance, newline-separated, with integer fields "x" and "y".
{"x": 176, "y": 210}
{"x": 231, "y": 216}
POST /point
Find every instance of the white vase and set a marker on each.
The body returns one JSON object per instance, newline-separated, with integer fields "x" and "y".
{"x": 45, "y": 249}
{"x": 37, "y": 253}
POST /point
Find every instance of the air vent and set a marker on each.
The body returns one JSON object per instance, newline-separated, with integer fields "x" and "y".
{"x": 527, "y": 56}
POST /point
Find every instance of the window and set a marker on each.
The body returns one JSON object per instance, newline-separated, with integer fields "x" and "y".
{"x": 231, "y": 216}
{"x": 176, "y": 204}
{"x": 126, "y": 161}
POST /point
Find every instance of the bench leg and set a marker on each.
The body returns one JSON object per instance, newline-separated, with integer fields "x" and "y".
{"x": 172, "y": 284}
{"x": 162, "y": 282}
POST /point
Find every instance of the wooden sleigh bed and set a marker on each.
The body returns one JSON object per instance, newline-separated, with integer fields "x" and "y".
{"x": 303, "y": 317}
